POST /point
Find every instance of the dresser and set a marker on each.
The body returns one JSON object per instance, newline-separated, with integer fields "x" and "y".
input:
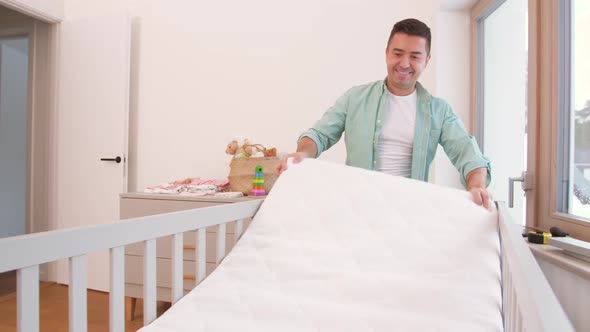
{"x": 134, "y": 205}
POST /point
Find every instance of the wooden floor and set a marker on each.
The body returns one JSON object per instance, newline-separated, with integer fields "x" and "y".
{"x": 7, "y": 283}
{"x": 53, "y": 303}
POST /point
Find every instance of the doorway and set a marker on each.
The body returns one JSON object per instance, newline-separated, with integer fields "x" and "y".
{"x": 14, "y": 131}
{"x": 25, "y": 121}
{"x": 14, "y": 81}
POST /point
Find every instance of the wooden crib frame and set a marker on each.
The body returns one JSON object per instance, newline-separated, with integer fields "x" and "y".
{"x": 528, "y": 301}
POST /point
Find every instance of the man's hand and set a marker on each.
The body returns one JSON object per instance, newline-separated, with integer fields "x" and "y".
{"x": 481, "y": 196}
{"x": 305, "y": 149}
{"x": 282, "y": 166}
{"x": 476, "y": 185}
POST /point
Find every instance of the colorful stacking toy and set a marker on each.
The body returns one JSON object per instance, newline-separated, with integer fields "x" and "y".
{"x": 258, "y": 183}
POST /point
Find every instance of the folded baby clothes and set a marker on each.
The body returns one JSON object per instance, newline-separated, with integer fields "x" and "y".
{"x": 165, "y": 188}
{"x": 190, "y": 186}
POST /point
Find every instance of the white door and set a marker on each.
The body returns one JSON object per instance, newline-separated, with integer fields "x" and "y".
{"x": 93, "y": 107}
{"x": 505, "y": 54}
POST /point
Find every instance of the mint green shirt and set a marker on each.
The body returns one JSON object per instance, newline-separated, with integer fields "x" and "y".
{"x": 358, "y": 113}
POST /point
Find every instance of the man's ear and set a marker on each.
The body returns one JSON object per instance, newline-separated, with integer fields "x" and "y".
{"x": 428, "y": 59}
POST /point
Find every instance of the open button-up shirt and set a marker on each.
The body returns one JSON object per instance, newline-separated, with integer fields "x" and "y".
{"x": 358, "y": 114}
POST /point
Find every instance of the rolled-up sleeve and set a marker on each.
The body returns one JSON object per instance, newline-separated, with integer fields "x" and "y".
{"x": 327, "y": 131}
{"x": 462, "y": 148}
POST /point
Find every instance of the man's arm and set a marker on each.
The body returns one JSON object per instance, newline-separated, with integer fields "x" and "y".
{"x": 325, "y": 133}
{"x": 307, "y": 147}
{"x": 476, "y": 185}
{"x": 462, "y": 150}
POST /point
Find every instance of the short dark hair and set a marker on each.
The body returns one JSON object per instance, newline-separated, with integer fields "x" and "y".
{"x": 412, "y": 27}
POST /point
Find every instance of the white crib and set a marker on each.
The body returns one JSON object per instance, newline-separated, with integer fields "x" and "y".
{"x": 528, "y": 301}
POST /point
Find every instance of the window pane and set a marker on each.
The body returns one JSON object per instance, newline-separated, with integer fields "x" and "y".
{"x": 579, "y": 191}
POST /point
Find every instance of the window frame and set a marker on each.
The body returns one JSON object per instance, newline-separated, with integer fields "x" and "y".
{"x": 479, "y": 14}
{"x": 554, "y": 98}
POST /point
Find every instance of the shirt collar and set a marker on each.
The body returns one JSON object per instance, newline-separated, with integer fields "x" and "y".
{"x": 420, "y": 90}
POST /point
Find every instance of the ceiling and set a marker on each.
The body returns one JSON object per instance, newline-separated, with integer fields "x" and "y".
{"x": 457, "y": 4}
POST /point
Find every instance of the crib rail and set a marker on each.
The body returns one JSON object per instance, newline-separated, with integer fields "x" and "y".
{"x": 25, "y": 253}
{"x": 528, "y": 301}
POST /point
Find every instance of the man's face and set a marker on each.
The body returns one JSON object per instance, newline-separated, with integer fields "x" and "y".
{"x": 406, "y": 58}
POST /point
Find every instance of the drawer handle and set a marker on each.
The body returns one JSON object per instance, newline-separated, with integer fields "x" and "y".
{"x": 189, "y": 277}
{"x": 188, "y": 246}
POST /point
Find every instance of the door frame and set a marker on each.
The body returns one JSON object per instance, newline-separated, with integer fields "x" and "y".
{"x": 41, "y": 115}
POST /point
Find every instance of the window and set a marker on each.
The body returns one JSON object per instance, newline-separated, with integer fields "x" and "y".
{"x": 579, "y": 191}
{"x": 557, "y": 108}
{"x": 559, "y": 102}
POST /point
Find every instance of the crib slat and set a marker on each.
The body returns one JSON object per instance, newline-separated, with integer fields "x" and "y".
{"x": 239, "y": 229}
{"x": 220, "y": 243}
{"x": 504, "y": 288}
{"x": 505, "y": 276}
{"x": 200, "y": 254}
{"x": 77, "y": 294}
{"x": 513, "y": 307}
{"x": 506, "y": 300}
{"x": 149, "y": 281}
{"x": 177, "y": 273}
{"x": 515, "y": 312}
{"x": 117, "y": 295}
{"x": 27, "y": 298}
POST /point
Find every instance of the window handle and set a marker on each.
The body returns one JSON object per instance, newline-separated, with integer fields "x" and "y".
{"x": 526, "y": 185}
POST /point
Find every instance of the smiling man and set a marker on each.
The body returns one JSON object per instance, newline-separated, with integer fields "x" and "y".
{"x": 395, "y": 125}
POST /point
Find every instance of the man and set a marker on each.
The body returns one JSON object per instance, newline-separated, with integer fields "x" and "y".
{"x": 395, "y": 125}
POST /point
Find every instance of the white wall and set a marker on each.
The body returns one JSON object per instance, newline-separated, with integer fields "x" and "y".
{"x": 451, "y": 39}
{"x": 13, "y": 135}
{"x": 205, "y": 71}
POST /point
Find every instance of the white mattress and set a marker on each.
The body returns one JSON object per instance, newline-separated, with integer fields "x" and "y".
{"x": 336, "y": 248}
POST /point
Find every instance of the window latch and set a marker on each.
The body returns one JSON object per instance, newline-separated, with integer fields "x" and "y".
{"x": 526, "y": 185}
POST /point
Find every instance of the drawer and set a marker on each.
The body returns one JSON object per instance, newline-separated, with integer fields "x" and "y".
{"x": 164, "y": 246}
{"x": 134, "y": 271}
{"x": 162, "y": 293}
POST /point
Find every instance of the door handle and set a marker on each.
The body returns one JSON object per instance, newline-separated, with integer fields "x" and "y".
{"x": 117, "y": 159}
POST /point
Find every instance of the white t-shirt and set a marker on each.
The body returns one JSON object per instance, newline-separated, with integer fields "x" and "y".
{"x": 396, "y": 139}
